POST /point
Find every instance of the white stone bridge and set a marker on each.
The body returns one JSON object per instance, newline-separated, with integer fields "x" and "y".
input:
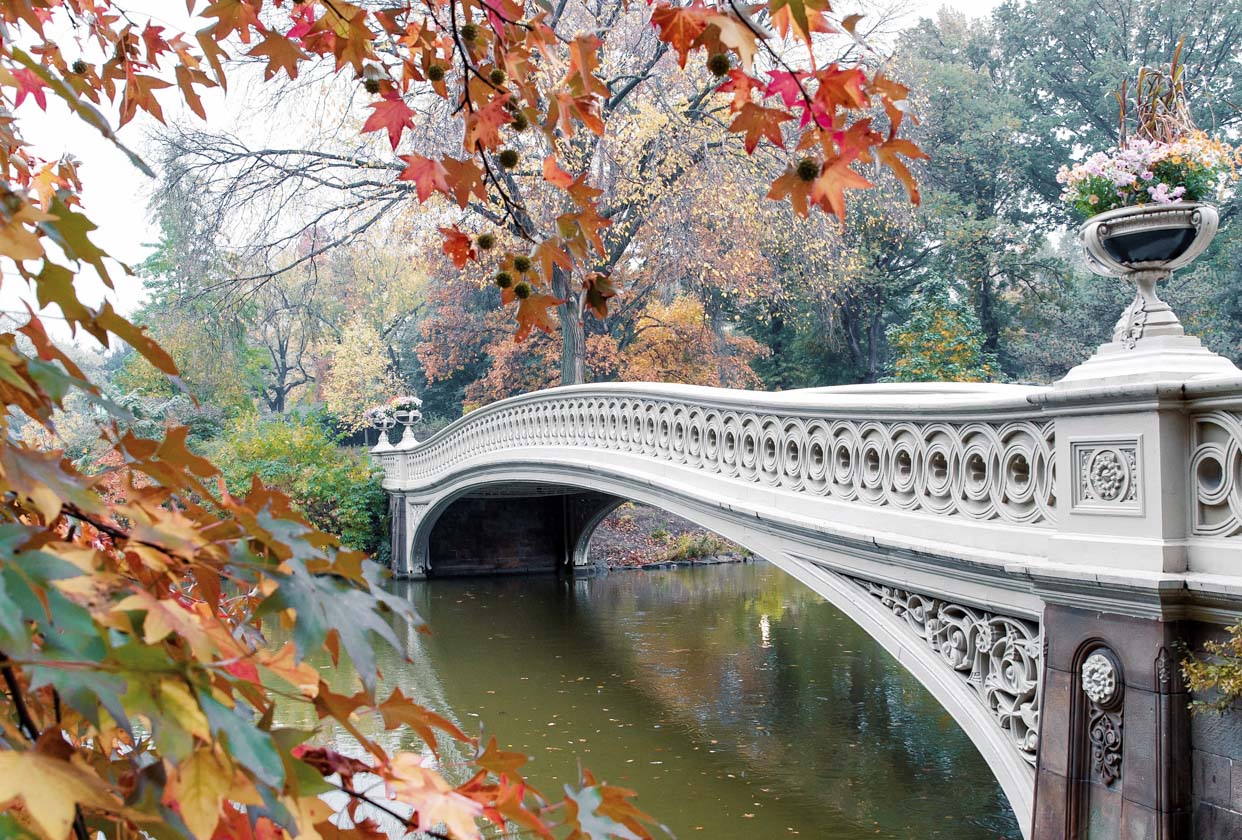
{"x": 1035, "y": 556}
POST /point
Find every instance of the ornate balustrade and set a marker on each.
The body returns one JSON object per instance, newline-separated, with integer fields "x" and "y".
{"x": 979, "y": 452}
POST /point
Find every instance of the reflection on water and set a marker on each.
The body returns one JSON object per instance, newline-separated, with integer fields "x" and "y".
{"x": 732, "y": 698}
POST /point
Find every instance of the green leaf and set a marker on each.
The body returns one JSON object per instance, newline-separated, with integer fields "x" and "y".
{"x": 250, "y": 746}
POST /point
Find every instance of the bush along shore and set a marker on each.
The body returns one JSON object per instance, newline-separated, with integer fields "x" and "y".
{"x": 639, "y": 537}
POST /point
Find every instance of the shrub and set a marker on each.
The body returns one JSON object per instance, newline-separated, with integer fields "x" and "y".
{"x": 337, "y": 489}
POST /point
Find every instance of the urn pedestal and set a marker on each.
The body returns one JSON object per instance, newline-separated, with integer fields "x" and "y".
{"x": 1145, "y": 245}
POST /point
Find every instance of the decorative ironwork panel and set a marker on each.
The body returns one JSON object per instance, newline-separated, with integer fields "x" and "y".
{"x": 999, "y": 657}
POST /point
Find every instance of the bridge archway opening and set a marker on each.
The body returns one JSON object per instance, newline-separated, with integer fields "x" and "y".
{"x": 546, "y": 526}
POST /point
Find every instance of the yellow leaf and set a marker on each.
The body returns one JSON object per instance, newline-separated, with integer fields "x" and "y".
{"x": 50, "y": 789}
{"x": 197, "y": 788}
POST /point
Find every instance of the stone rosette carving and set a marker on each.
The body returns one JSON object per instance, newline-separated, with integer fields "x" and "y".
{"x": 1099, "y": 679}
{"x": 995, "y": 470}
{"x": 1107, "y": 475}
{"x": 999, "y": 657}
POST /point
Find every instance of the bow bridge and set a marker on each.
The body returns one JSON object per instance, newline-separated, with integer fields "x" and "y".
{"x": 1035, "y": 556}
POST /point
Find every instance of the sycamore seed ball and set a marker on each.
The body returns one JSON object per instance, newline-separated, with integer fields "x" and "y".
{"x": 719, "y": 64}
{"x": 522, "y": 290}
{"x": 808, "y": 169}
{"x": 504, "y": 279}
{"x": 509, "y": 158}
{"x": 485, "y": 241}
{"x": 520, "y": 123}
{"x": 497, "y": 76}
{"x": 469, "y": 33}
{"x": 371, "y": 85}
{"x": 522, "y": 263}
{"x": 436, "y": 73}
{"x": 80, "y": 67}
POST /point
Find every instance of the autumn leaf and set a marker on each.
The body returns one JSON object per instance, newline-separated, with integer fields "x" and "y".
{"x": 533, "y": 312}
{"x": 400, "y": 710}
{"x": 759, "y": 122}
{"x": 802, "y": 17}
{"x": 554, "y": 175}
{"x": 599, "y": 289}
{"x": 427, "y": 174}
{"x": 458, "y": 245}
{"x": 389, "y": 114}
{"x": 740, "y": 85}
{"x": 197, "y": 789}
{"x": 796, "y": 188}
{"x": 680, "y": 26}
{"x": 282, "y": 54}
{"x": 549, "y": 253}
{"x": 732, "y": 34}
{"x": 238, "y": 16}
{"x": 51, "y": 789}
{"x": 887, "y": 153}
{"x": 829, "y": 188}
{"x": 434, "y": 799}
{"x": 28, "y": 84}
{"x": 465, "y": 177}
{"x": 483, "y": 125}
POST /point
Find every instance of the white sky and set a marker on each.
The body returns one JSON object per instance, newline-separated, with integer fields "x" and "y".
{"x": 115, "y": 193}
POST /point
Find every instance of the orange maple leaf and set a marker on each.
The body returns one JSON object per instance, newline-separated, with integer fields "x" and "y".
{"x": 887, "y": 153}
{"x": 282, "y": 54}
{"x": 483, "y": 124}
{"x": 466, "y": 179}
{"x": 534, "y": 312}
{"x": 802, "y": 16}
{"x": 458, "y": 245}
{"x": 829, "y": 188}
{"x": 238, "y": 16}
{"x": 680, "y": 26}
{"x": 760, "y": 122}
{"x": 390, "y": 114}
{"x": 428, "y": 175}
{"x": 795, "y": 188}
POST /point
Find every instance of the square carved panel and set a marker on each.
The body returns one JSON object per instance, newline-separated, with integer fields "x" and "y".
{"x": 1108, "y": 475}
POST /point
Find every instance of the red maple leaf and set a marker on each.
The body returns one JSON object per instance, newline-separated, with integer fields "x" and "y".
{"x": 428, "y": 175}
{"x": 483, "y": 124}
{"x": 29, "y": 84}
{"x": 458, "y": 245}
{"x": 390, "y": 114}
{"x": 760, "y": 122}
{"x": 680, "y": 26}
{"x": 740, "y": 85}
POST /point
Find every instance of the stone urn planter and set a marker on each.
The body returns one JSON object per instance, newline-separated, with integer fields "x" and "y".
{"x": 405, "y": 410}
{"x": 1146, "y": 244}
{"x": 383, "y": 421}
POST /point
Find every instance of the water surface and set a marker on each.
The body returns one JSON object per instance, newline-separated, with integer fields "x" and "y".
{"x": 735, "y": 701}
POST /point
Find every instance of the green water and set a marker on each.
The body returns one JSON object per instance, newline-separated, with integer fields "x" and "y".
{"x": 732, "y": 698}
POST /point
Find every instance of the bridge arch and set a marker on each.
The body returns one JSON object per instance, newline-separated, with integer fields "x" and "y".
{"x": 886, "y": 612}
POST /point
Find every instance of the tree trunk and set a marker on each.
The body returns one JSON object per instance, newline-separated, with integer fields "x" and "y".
{"x": 573, "y": 335}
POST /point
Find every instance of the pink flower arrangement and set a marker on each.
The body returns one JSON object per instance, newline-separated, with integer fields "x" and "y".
{"x": 1194, "y": 167}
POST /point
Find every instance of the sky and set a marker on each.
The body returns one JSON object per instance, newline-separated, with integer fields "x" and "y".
{"x": 115, "y": 193}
